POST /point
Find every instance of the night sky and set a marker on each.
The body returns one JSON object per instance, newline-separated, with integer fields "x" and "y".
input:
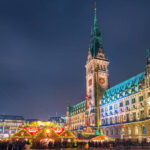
{"x": 44, "y": 46}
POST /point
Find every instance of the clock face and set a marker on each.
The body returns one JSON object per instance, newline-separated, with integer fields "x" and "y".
{"x": 101, "y": 80}
{"x": 90, "y": 82}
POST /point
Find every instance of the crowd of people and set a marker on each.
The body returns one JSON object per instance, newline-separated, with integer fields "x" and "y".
{"x": 14, "y": 145}
{"x": 20, "y": 145}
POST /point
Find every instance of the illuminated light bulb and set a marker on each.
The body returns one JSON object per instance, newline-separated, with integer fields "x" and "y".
{"x": 39, "y": 122}
{"x": 47, "y": 131}
{"x": 148, "y": 102}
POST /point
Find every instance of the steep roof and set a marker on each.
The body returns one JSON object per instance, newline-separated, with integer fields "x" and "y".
{"x": 67, "y": 134}
{"x": 126, "y": 88}
{"x": 78, "y": 108}
{"x": 22, "y": 133}
{"x": 96, "y": 46}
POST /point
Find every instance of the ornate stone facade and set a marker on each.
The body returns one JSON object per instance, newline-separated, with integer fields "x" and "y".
{"x": 124, "y": 108}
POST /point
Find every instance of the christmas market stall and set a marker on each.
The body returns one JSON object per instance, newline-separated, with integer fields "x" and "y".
{"x": 101, "y": 138}
{"x": 58, "y": 130}
{"x": 67, "y": 136}
{"x": 21, "y": 135}
{"x": 46, "y": 136}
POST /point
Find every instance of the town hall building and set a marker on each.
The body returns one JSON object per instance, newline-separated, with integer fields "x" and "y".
{"x": 121, "y": 111}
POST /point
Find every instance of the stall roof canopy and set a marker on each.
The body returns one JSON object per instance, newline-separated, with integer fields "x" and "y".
{"x": 46, "y": 132}
{"x": 22, "y": 134}
{"x": 67, "y": 134}
{"x": 101, "y": 138}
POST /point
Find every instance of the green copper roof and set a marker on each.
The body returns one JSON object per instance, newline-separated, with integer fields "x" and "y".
{"x": 96, "y": 38}
{"x": 124, "y": 89}
{"x": 80, "y": 107}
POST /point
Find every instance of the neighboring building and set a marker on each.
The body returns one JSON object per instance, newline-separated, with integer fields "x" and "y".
{"x": 124, "y": 108}
{"x": 28, "y": 121}
{"x": 9, "y": 125}
{"x": 59, "y": 120}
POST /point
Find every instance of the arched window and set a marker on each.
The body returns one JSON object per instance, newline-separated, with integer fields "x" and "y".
{"x": 129, "y": 131}
{"x": 110, "y": 120}
{"x": 122, "y": 131}
{"x": 111, "y": 131}
{"x": 116, "y": 131}
{"x": 106, "y": 121}
{"x": 144, "y": 130}
{"x": 104, "y": 68}
{"x": 101, "y": 68}
{"x": 136, "y": 131}
{"x": 107, "y": 133}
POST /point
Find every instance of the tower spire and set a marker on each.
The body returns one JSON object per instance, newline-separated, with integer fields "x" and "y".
{"x": 96, "y": 46}
{"x": 95, "y": 17}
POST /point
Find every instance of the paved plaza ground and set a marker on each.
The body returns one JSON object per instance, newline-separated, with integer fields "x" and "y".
{"x": 116, "y": 148}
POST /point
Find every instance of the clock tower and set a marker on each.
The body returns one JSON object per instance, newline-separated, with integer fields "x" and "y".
{"x": 97, "y": 72}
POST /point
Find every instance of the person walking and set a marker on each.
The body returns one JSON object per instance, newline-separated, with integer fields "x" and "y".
{"x": 27, "y": 146}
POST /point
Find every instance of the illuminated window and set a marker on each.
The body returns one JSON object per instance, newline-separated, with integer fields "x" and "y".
{"x": 133, "y": 100}
{"x": 148, "y": 94}
{"x": 104, "y": 68}
{"x": 149, "y": 111}
{"x": 110, "y": 107}
{"x": 101, "y": 68}
{"x": 107, "y": 133}
{"x": 142, "y": 112}
{"x": 121, "y": 104}
{"x": 121, "y": 118}
{"x": 127, "y": 117}
{"x": 122, "y": 131}
{"x": 90, "y": 91}
{"x": 106, "y": 121}
{"x": 110, "y": 120}
{"x": 144, "y": 130}
{"x": 111, "y": 131}
{"x": 129, "y": 131}
{"x": 141, "y": 98}
{"x": 90, "y": 82}
{"x": 127, "y": 102}
{"x": 136, "y": 130}
{"x": 117, "y": 95}
{"x": 115, "y": 106}
{"x": 116, "y": 131}
{"x": 115, "y": 119}
{"x": 134, "y": 116}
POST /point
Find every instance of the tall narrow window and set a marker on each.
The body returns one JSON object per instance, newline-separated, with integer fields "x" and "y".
{"x": 129, "y": 131}
{"x": 148, "y": 94}
{"x": 110, "y": 120}
{"x": 136, "y": 131}
{"x": 127, "y": 117}
{"x": 144, "y": 129}
{"x": 141, "y": 98}
{"x": 116, "y": 119}
{"x": 134, "y": 116}
{"x": 107, "y": 133}
{"x": 112, "y": 132}
{"x": 127, "y": 102}
{"x": 90, "y": 82}
{"x": 133, "y": 100}
{"x": 121, "y": 104}
{"x": 116, "y": 131}
{"x": 104, "y": 68}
